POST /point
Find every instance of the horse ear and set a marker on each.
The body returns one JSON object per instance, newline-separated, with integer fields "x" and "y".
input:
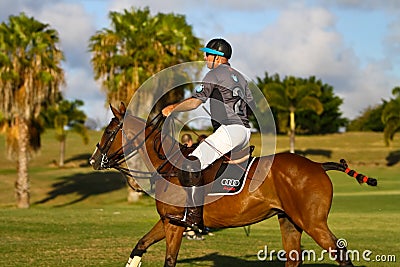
{"x": 122, "y": 108}
{"x": 115, "y": 111}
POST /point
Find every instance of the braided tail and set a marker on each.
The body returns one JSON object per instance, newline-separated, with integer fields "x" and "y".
{"x": 343, "y": 167}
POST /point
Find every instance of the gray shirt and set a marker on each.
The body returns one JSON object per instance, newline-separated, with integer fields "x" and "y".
{"x": 229, "y": 96}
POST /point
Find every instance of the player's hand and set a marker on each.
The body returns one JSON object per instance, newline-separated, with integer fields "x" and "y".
{"x": 168, "y": 110}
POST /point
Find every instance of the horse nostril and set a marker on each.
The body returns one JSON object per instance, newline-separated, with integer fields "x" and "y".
{"x": 91, "y": 161}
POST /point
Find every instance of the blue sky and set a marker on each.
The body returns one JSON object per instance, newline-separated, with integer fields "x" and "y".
{"x": 353, "y": 45}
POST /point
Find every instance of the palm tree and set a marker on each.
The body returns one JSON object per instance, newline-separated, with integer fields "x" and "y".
{"x": 66, "y": 117}
{"x": 391, "y": 116}
{"x": 290, "y": 96}
{"x": 30, "y": 74}
{"x": 136, "y": 47}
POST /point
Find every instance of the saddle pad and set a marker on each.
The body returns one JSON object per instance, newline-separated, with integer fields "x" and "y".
{"x": 231, "y": 178}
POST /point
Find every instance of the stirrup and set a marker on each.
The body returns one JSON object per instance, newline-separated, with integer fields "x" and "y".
{"x": 181, "y": 221}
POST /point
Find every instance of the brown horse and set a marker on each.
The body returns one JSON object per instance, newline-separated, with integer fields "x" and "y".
{"x": 293, "y": 187}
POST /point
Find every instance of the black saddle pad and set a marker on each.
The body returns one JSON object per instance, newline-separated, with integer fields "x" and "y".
{"x": 230, "y": 178}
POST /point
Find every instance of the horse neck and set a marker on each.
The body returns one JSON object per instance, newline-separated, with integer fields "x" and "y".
{"x": 155, "y": 145}
{"x": 151, "y": 137}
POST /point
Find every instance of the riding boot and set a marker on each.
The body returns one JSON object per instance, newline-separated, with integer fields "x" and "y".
{"x": 193, "y": 216}
{"x": 190, "y": 177}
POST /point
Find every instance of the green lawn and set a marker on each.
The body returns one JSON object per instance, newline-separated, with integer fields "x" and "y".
{"x": 80, "y": 217}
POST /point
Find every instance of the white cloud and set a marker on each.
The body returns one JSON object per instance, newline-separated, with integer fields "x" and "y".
{"x": 388, "y": 5}
{"x": 14, "y": 7}
{"x": 301, "y": 42}
{"x": 75, "y": 26}
{"x": 177, "y": 6}
{"x": 304, "y": 42}
{"x": 81, "y": 85}
{"x": 392, "y": 40}
{"x": 367, "y": 87}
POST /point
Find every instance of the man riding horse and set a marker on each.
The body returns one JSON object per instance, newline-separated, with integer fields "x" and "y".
{"x": 230, "y": 99}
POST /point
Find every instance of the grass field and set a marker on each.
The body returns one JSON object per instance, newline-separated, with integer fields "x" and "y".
{"x": 80, "y": 217}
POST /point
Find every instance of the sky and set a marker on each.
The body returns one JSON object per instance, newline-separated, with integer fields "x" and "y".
{"x": 353, "y": 45}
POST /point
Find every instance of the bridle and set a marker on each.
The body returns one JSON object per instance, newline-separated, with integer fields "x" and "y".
{"x": 128, "y": 150}
{"x": 108, "y": 162}
{"x": 117, "y": 158}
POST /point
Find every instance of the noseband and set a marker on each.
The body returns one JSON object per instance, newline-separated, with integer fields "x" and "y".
{"x": 108, "y": 162}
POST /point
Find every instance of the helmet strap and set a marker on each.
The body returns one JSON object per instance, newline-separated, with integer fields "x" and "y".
{"x": 213, "y": 63}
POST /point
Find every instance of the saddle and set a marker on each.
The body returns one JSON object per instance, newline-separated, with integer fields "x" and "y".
{"x": 232, "y": 174}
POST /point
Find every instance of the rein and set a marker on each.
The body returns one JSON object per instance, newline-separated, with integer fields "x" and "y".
{"x": 128, "y": 151}
{"x": 117, "y": 158}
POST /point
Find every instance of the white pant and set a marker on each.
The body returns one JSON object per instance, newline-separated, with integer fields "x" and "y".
{"x": 223, "y": 140}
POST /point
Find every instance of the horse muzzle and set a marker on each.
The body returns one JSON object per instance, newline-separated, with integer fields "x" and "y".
{"x": 95, "y": 164}
{"x": 96, "y": 160}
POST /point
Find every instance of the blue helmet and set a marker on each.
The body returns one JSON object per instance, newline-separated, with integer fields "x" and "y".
{"x": 219, "y": 47}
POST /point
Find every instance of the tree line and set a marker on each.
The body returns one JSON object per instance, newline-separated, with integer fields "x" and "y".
{"x": 135, "y": 46}
{"x": 383, "y": 117}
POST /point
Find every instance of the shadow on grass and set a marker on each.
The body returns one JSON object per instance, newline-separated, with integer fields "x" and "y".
{"x": 84, "y": 158}
{"x": 393, "y": 158}
{"x": 249, "y": 261}
{"x": 85, "y": 185}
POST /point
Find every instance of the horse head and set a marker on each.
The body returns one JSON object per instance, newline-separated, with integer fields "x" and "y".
{"x": 125, "y": 136}
{"x": 109, "y": 149}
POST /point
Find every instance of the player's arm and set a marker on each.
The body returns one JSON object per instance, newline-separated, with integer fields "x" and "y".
{"x": 185, "y": 105}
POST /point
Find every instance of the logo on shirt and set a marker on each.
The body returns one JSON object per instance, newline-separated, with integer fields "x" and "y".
{"x": 234, "y": 77}
{"x": 199, "y": 88}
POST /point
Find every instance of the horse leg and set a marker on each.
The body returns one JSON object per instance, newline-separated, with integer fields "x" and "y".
{"x": 153, "y": 236}
{"x": 291, "y": 236}
{"x": 327, "y": 240}
{"x": 173, "y": 236}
